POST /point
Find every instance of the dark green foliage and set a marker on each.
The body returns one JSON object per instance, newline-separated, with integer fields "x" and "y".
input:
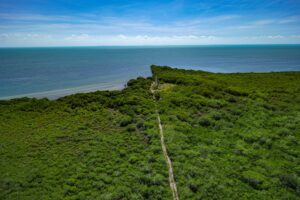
{"x": 291, "y": 181}
{"x": 126, "y": 121}
{"x": 83, "y": 146}
{"x": 229, "y": 136}
{"x": 235, "y": 136}
{"x": 205, "y": 122}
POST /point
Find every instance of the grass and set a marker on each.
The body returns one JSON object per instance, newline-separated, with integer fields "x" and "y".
{"x": 229, "y": 136}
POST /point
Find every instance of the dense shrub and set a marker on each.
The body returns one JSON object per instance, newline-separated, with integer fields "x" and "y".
{"x": 229, "y": 136}
{"x": 127, "y": 120}
{"x": 291, "y": 181}
{"x": 235, "y": 130}
{"x": 205, "y": 122}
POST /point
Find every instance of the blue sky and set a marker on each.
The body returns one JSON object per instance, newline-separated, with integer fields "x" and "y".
{"x": 179, "y": 22}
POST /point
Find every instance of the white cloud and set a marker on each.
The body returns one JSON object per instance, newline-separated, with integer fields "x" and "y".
{"x": 42, "y": 30}
{"x": 34, "y": 17}
{"x": 19, "y": 39}
{"x": 76, "y": 38}
{"x": 256, "y": 24}
{"x": 291, "y": 19}
{"x": 262, "y": 22}
{"x": 205, "y": 20}
{"x": 275, "y": 36}
{"x": 122, "y": 36}
{"x": 93, "y": 24}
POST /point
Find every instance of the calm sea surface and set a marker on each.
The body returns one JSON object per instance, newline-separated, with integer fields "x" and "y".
{"x": 55, "y": 72}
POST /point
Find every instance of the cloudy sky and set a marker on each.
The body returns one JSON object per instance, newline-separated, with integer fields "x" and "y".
{"x": 156, "y": 22}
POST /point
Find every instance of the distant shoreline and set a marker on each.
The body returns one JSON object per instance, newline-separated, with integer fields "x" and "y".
{"x": 55, "y": 94}
{"x": 58, "y": 71}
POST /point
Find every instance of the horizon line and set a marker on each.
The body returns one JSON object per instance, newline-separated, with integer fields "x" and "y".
{"x": 154, "y": 45}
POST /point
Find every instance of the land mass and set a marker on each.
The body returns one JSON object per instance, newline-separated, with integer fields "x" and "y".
{"x": 227, "y": 136}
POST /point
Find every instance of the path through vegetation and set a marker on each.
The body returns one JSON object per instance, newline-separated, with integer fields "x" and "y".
{"x": 163, "y": 146}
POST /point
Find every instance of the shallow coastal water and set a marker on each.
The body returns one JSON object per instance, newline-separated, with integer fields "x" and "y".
{"x": 55, "y": 72}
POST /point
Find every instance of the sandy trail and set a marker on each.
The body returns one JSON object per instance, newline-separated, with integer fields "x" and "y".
{"x": 164, "y": 148}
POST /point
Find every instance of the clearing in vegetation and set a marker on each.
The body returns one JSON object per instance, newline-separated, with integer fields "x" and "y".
{"x": 163, "y": 145}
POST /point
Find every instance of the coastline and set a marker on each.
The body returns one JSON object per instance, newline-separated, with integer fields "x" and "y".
{"x": 35, "y": 72}
{"x": 55, "y": 94}
{"x": 244, "y": 115}
{"x": 112, "y": 86}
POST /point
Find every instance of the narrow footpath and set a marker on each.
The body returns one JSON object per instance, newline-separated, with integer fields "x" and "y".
{"x": 163, "y": 146}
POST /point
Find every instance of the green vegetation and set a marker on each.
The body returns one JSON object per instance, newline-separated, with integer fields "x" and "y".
{"x": 229, "y": 136}
{"x": 232, "y": 136}
{"x": 101, "y": 145}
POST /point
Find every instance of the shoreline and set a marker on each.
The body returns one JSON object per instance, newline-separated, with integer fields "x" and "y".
{"x": 55, "y": 94}
{"x": 118, "y": 85}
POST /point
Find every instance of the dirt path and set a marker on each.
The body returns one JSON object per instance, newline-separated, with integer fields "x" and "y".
{"x": 164, "y": 148}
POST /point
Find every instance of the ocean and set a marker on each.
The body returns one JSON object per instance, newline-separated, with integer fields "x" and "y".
{"x": 54, "y": 72}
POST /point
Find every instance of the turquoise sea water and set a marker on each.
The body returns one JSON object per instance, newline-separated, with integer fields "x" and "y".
{"x": 54, "y": 72}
